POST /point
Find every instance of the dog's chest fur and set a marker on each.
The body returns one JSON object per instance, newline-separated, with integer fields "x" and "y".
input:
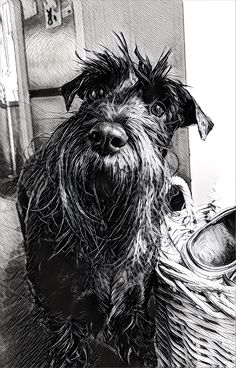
{"x": 97, "y": 296}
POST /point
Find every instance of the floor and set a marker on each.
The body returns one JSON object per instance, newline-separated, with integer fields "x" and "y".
{"x": 22, "y": 340}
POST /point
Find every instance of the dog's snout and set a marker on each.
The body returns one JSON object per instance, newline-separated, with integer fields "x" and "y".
{"x": 108, "y": 137}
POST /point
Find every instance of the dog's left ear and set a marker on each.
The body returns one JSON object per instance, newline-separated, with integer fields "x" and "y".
{"x": 192, "y": 113}
{"x": 72, "y": 88}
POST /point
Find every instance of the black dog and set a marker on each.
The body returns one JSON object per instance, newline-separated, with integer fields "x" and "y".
{"x": 91, "y": 202}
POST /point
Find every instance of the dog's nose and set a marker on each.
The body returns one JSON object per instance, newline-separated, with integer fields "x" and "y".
{"x": 108, "y": 137}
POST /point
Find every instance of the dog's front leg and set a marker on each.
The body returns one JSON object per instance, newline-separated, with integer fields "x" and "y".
{"x": 135, "y": 345}
{"x": 132, "y": 323}
{"x": 61, "y": 292}
{"x": 69, "y": 347}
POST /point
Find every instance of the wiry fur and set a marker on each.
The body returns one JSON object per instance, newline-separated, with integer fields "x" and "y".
{"x": 91, "y": 221}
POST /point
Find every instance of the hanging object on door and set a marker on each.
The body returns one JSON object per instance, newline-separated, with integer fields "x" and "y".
{"x": 52, "y": 11}
{"x": 29, "y": 8}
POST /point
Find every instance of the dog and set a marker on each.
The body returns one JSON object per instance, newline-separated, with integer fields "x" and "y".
{"x": 90, "y": 203}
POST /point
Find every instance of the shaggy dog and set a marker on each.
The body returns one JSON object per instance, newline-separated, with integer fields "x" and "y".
{"x": 91, "y": 201}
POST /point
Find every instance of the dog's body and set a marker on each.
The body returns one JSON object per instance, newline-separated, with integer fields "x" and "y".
{"x": 91, "y": 202}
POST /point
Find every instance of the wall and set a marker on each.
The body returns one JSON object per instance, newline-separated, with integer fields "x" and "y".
{"x": 5, "y": 154}
{"x": 8, "y": 92}
{"x": 15, "y": 117}
{"x": 210, "y": 60}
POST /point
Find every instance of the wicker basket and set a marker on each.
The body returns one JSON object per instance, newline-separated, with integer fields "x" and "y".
{"x": 195, "y": 304}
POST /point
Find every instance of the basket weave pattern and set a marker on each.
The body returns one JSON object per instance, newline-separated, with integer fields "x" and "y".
{"x": 195, "y": 315}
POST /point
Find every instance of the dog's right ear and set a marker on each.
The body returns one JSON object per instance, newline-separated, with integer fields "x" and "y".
{"x": 72, "y": 88}
{"x": 191, "y": 113}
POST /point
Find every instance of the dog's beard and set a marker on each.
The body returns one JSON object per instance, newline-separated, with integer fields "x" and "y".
{"x": 113, "y": 202}
{"x": 108, "y": 206}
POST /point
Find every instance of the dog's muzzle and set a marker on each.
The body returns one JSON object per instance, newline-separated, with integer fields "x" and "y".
{"x": 108, "y": 138}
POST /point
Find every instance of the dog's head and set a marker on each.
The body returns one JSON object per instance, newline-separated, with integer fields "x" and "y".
{"x": 110, "y": 83}
{"x": 130, "y": 109}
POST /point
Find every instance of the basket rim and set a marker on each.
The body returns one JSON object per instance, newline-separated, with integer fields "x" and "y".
{"x": 194, "y": 264}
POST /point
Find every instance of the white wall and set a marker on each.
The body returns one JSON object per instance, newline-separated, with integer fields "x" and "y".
{"x": 210, "y": 63}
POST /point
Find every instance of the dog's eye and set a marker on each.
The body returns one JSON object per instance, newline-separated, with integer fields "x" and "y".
{"x": 96, "y": 93}
{"x": 157, "y": 110}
